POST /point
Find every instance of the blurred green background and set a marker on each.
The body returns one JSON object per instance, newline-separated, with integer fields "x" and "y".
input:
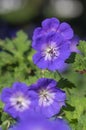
{"x": 27, "y": 14}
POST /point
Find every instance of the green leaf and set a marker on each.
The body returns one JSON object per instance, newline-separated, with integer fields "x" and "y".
{"x": 80, "y": 106}
{"x": 1, "y": 105}
{"x": 80, "y": 63}
{"x": 71, "y": 59}
{"x": 14, "y": 63}
{"x": 21, "y": 43}
{"x": 80, "y": 59}
{"x": 5, "y": 125}
{"x": 69, "y": 107}
{"x": 82, "y": 47}
{"x": 4, "y": 117}
{"x": 5, "y": 58}
{"x": 77, "y": 118}
{"x": 65, "y": 83}
{"x": 82, "y": 122}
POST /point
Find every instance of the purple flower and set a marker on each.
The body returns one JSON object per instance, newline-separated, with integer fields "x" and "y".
{"x": 73, "y": 44}
{"x": 35, "y": 121}
{"x": 50, "y": 98}
{"x": 52, "y": 51}
{"x": 17, "y": 99}
{"x": 60, "y": 124}
{"x": 52, "y": 43}
{"x": 53, "y": 25}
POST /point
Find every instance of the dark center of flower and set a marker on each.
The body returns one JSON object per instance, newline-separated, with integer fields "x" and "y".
{"x": 19, "y": 103}
{"x": 45, "y": 97}
{"x": 51, "y": 52}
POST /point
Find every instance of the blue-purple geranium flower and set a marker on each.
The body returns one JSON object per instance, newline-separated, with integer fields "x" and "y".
{"x": 17, "y": 99}
{"x": 60, "y": 124}
{"x": 54, "y": 25}
{"x": 50, "y": 98}
{"x": 35, "y": 121}
{"x": 52, "y": 51}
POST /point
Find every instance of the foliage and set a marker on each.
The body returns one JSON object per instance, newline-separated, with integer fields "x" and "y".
{"x": 80, "y": 59}
{"x": 16, "y": 65}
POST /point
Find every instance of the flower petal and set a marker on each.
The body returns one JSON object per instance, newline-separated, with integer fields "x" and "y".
{"x": 65, "y": 30}
{"x": 50, "y": 24}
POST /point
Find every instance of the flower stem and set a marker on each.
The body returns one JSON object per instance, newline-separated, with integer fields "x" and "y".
{"x": 67, "y": 89}
{"x": 60, "y": 76}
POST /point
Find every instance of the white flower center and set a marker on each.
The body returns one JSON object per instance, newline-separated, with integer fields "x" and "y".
{"x": 51, "y": 52}
{"x": 46, "y": 97}
{"x": 20, "y": 102}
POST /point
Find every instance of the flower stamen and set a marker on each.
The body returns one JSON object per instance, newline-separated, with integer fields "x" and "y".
{"x": 45, "y": 97}
{"x": 51, "y": 52}
{"x": 20, "y": 102}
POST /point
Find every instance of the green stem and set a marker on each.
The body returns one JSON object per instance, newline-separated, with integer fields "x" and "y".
{"x": 67, "y": 89}
{"x": 60, "y": 76}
